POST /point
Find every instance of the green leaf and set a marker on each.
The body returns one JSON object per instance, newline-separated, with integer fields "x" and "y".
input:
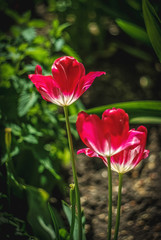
{"x": 18, "y": 226}
{"x": 133, "y": 30}
{"x": 153, "y": 26}
{"x": 54, "y": 219}
{"x": 136, "y": 52}
{"x": 16, "y": 129}
{"x": 38, "y": 214}
{"x": 29, "y": 34}
{"x": 38, "y": 53}
{"x": 33, "y": 130}
{"x": 6, "y": 71}
{"x": 25, "y": 102}
{"x": 55, "y": 24}
{"x": 64, "y": 234}
{"x": 16, "y": 31}
{"x": 59, "y": 44}
{"x": 37, "y": 23}
{"x": 70, "y": 51}
{"x": 68, "y": 213}
{"x": 15, "y": 151}
{"x": 61, "y": 28}
{"x": 148, "y": 112}
{"x": 146, "y": 120}
{"x": 18, "y": 18}
{"x": 39, "y": 40}
{"x": 22, "y": 47}
{"x": 47, "y": 165}
{"x": 30, "y": 139}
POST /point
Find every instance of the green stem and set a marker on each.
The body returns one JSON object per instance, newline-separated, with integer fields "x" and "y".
{"x": 74, "y": 173}
{"x": 109, "y": 199}
{"x": 118, "y": 207}
{"x": 72, "y": 200}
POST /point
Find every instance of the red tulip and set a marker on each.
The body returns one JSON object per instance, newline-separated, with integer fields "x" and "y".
{"x": 67, "y": 82}
{"x": 107, "y": 136}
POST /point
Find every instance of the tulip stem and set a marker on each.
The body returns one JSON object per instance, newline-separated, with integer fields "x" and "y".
{"x": 74, "y": 173}
{"x": 109, "y": 199}
{"x": 118, "y": 207}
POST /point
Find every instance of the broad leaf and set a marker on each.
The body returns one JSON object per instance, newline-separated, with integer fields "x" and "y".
{"x": 30, "y": 139}
{"x": 37, "y": 23}
{"x": 29, "y": 34}
{"x": 25, "y": 102}
{"x": 38, "y": 53}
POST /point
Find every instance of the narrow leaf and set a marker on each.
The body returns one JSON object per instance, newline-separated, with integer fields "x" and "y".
{"x": 68, "y": 213}
{"x": 54, "y": 221}
{"x": 148, "y": 112}
{"x": 153, "y": 26}
{"x": 133, "y": 30}
{"x": 38, "y": 214}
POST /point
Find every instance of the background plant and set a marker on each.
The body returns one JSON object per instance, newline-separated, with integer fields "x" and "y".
{"x": 39, "y": 146}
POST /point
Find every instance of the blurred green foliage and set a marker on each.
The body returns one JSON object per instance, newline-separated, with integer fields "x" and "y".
{"x": 39, "y": 146}
{"x": 22, "y": 108}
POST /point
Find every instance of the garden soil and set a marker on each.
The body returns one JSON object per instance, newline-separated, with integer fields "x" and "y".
{"x": 141, "y": 195}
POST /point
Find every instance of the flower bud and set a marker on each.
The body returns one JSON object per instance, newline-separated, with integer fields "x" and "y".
{"x": 8, "y": 138}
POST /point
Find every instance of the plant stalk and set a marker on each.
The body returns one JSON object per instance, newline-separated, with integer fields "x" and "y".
{"x": 72, "y": 200}
{"x": 118, "y": 207}
{"x": 109, "y": 199}
{"x": 74, "y": 173}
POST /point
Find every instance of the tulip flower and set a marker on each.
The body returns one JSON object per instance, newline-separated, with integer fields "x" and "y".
{"x": 127, "y": 159}
{"x": 120, "y": 149}
{"x": 67, "y": 82}
{"x": 107, "y": 136}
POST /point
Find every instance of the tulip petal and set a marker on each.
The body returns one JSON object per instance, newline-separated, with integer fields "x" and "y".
{"x": 116, "y": 127}
{"x": 86, "y": 81}
{"x": 38, "y": 69}
{"x": 127, "y": 159}
{"x": 90, "y": 129}
{"x": 91, "y": 153}
{"x": 46, "y": 87}
{"x": 67, "y": 72}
